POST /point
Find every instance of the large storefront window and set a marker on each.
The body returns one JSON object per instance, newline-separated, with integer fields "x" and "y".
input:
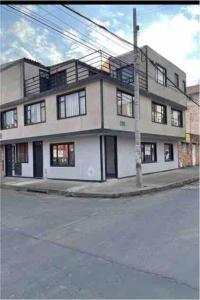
{"x": 62, "y": 154}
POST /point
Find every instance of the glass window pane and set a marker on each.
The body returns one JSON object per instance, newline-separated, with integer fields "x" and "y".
{"x": 82, "y": 93}
{"x": 82, "y": 105}
{"x": 72, "y": 105}
{"x": 71, "y": 154}
{"x": 61, "y": 108}
{"x": 22, "y": 152}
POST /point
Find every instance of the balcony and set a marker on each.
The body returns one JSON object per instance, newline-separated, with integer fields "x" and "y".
{"x": 76, "y": 70}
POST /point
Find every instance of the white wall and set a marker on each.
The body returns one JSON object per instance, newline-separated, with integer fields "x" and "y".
{"x": 87, "y": 159}
{"x": 161, "y": 164}
{"x": 27, "y": 168}
{"x": 126, "y": 158}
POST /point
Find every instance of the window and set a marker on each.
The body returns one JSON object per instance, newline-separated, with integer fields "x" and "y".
{"x": 161, "y": 75}
{"x": 58, "y": 78}
{"x": 22, "y": 152}
{"x": 126, "y": 74}
{"x": 184, "y": 86}
{"x": 168, "y": 151}
{"x": 44, "y": 80}
{"x": 148, "y": 152}
{"x": 176, "y": 118}
{"x": 176, "y": 79}
{"x": 35, "y": 113}
{"x": 72, "y": 105}
{"x": 159, "y": 113}
{"x": 9, "y": 119}
{"x": 125, "y": 104}
{"x": 62, "y": 155}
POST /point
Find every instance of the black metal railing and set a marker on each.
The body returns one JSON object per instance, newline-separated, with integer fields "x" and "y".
{"x": 77, "y": 70}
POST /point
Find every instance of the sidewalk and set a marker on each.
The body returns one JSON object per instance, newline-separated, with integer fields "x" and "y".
{"x": 112, "y": 188}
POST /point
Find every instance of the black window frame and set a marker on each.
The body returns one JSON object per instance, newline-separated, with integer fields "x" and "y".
{"x": 164, "y": 83}
{"x": 184, "y": 86}
{"x": 52, "y": 163}
{"x": 171, "y": 152}
{"x": 119, "y": 113}
{"x": 154, "y": 113}
{"x": 58, "y": 78}
{"x": 119, "y": 73}
{"x": 66, "y": 94}
{"x": 17, "y": 154}
{"x": 176, "y": 79}
{"x": 143, "y": 152}
{"x": 26, "y": 111}
{"x": 15, "y": 125}
{"x": 180, "y": 120}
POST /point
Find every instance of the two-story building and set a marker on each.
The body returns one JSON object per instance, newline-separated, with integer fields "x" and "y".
{"x": 75, "y": 120}
{"x": 189, "y": 150}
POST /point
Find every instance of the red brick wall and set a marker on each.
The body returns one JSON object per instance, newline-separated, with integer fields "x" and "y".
{"x": 185, "y": 154}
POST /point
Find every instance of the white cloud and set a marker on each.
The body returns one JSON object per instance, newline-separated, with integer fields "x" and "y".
{"x": 174, "y": 38}
{"x": 194, "y": 10}
{"x": 35, "y": 43}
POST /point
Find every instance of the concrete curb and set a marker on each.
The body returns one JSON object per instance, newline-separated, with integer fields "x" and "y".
{"x": 101, "y": 195}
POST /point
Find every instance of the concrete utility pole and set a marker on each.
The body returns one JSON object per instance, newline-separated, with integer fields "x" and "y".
{"x": 137, "y": 104}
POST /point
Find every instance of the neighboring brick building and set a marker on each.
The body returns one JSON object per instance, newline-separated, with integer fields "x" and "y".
{"x": 189, "y": 150}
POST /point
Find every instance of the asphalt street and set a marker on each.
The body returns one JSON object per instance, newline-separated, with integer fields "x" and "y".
{"x": 142, "y": 247}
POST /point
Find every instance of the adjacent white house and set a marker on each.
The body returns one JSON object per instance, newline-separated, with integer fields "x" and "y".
{"x": 75, "y": 120}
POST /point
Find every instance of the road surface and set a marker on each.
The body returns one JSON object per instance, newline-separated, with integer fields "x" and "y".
{"x": 142, "y": 247}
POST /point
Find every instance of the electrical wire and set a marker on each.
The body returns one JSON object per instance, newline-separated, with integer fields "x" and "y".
{"x": 120, "y": 38}
{"x": 94, "y": 49}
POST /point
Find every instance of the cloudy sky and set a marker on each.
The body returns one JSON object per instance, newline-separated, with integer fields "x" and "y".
{"x": 172, "y": 30}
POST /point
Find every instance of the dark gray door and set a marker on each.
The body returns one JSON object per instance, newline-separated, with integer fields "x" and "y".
{"x": 111, "y": 156}
{"x": 38, "y": 159}
{"x": 9, "y": 159}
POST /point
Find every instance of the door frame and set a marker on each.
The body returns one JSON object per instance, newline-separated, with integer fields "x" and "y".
{"x": 115, "y": 158}
{"x": 12, "y": 158}
{"x": 34, "y": 143}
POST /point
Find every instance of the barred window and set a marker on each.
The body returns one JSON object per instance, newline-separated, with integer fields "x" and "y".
{"x": 149, "y": 154}
{"x": 159, "y": 113}
{"x": 176, "y": 118}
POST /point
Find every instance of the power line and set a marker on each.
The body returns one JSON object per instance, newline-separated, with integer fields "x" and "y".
{"x": 89, "y": 47}
{"x": 83, "y": 34}
{"x": 104, "y": 55}
{"x": 100, "y": 32}
{"x": 100, "y": 26}
{"x": 120, "y": 38}
{"x": 57, "y": 30}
